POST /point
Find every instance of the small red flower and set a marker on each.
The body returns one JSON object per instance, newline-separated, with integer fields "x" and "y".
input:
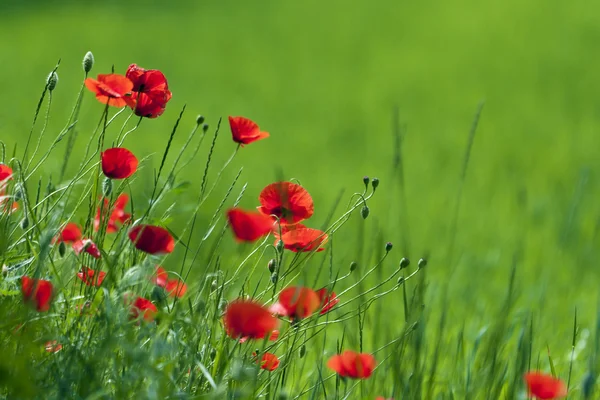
{"x": 246, "y": 318}
{"x": 352, "y": 365}
{"x": 290, "y": 202}
{"x": 87, "y": 276}
{"x": 111, "y": 89}
{"x": 176, "y": 288}
{"x": 69, "y": 234}
{"x": 544, "y": 387}
{"x": 160, "y": 277}
{"x": 304, "y": 239}
{"x": 150, "y": 91}
{"x": 245, "y": 131}
{"x": 118, "y": 214}
{"x": 152, "y": 239}
{"x": 249, "y": 226}
{"x": 269, "y": 361}
{"x": 144, "y": 308}
{"x": 299, "y": 302}
{"x": 118, "y": 163}
{"x": 37, "y": 292}
{"x": 53, "y": 346}
{"x": 88, "y": 246}
{"x": 328, "y": 300}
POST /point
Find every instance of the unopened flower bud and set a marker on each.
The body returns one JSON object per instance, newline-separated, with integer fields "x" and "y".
{"x": 272, "y": 265}
{"x": 366, "y": 181}
{"x": 353, "y": 266}
{"x": 25, "y": 223}
{"x": 302, "y": 351}
{"x": 107, "y": 187}
{"x": 280, "y": 246}
{"x": 205, "y": 128}
{"x": 62, "y": 249}
{"x": 274, "y": 277}
{"x": 388, "y": 247}
{"x": 364, "y": 212}
{"x": 375, "y": 183}
{"x": 200, "y": 119}
{"x": 52, "y": 80}
{"x": 400, "y": 280}
{"x": 18, "y": 194}
{"x": 214, "y": 285}
{"x": 422, "y": 263}
{"x": 405, "y": 262}
{"x": 88, "y": 62}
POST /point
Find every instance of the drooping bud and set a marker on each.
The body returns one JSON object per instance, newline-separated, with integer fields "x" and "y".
{"x": 280, "y": 246}
{"x": 25, "y": 223}
{"x": 272, "y": 265}
{"x": 107, "y": 187}
{"x": 366, "y": 181}
{"x": 400, "y": 280}
{"x": 88, "y": 62}
{"x": 62, "y": 249}
{"x": 388, "y": 247}
{"x": 200, "y": 119}
{"x": 405, "y": 262}
{"x": 353, "y": 266}
{"x": 422, "y": 263}
{"x": 375, "y": 183}
{"x": 364, "y": 212}
{"x": 274, "y": 277}
{"x": 52, "y": 80}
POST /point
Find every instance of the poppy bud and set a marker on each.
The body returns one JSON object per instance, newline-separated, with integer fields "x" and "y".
{"x": 24, "y": 223}
{"x": 375, "y": 183}
{"x": 272, "y": 265}
{"x": 366, "y": 181}
{"x": 88, "y": 62}
{"x": 52, "y": 80}
{"x": 200, "y": 119}
{"x": 62, "y": 249}
{"x": 400, "y": 280}
{"x": 280, "y": 246}
{"x": 18, "y": 194}
{"x": 205, "y": 128}
{"x": 4, "y": 270}
{"x": 283, "y": 395}
{"x": 213, "y": 353}
{"x": 274, "y": 277}
{"x": 405, "y": 262}
{"x": 422, "y": 263}
{"x": 364, "y": 212}
{"x": 302, "y": 351}
{"x": 353, "y": 266}
{"x": 214, "y": 285}
{"x": 158, "y": 295}
{"x": 388, "y": 246}
{"x": 107, "y": 187}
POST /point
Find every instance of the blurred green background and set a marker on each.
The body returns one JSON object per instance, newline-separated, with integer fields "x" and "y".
{"x": 324, "y": 78}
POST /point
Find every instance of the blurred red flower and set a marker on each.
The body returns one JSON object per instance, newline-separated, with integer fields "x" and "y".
{"x": 176, "y": 288}
{"x": 268, "y": 361}
{"x": 111, "y": 89}
{"x": 118, "y": 163}
{"x": 245, "y": 131}
{"x": 150, "y": 91}
{"x": 88, "y": 276}
{"x": 328, "y": 300}
{"x": 118, "y": 214}
{"x": 290, "y": 202}
{"x": 544, "y": 387}
{"x": 38, "y": 292}
{"x": 144, "y": 308}
{"x": 246, "y": 318}
{"x": 160, "y": 277}
{"x": 352, "y": 365}
{"x": 152, "y": 239}
{"x": 6, "y": 174}
{"x": 69, "y": 234}
{"x": 88, "y": 246}
{"x": 249, "y": 226}
{"x": 53, "y": 346}
{"x": 297, "y": 302}
{"x": 304, "y": 239}
{"x": 274, "y": 336}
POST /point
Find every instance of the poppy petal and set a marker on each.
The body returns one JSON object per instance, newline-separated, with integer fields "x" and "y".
{"x": 299, "y": 302}
{"x": 249, "y": 226}
{"x": 118, "y": 163}
{"x": 176, "y": 288}
{"x": 290, "y": 202}
{"x": 246, "y": 318}
{"x": 245, "y": 131}
{"x": 152, "y": 239}
{"x": 37, "y": 292}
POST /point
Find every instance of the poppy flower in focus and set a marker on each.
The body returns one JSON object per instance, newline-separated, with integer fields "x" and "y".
{"x": 150, "y": 91}
{"x": 176, "y": 288}
{"x": 88, "y": 276}
{"x": 118, "y": 163}
{"x": 69, "y": 234}
{"x": 117, "y": 215}
{"x": 245, "y": 131}
{"x": 328, "y": 300}
{"x": 88, "y": 246}
{"x": 542, "y": 386}
{"x": 249, "y": 226}
{"x": 290, "y": 202}
{"x": 111, "y": 89}
{"x": 53, "y": 346}
{"x": 144, "y": 308}
{"x": 246, "y": 318}
{"x": 38, "y": 292}
{"x": 268, "y": 361}
{"x": 274, "y": 336}
{"x": 297, "y": 302}
{"x": 304, "y": 239}
{"x": 352, "y": 365}
{"x": 152, "y": 239}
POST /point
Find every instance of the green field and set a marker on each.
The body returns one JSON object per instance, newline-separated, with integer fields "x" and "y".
{"x": 336, "y": 83}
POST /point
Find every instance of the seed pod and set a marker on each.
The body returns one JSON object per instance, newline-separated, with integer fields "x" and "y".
{"x": 88, "y": 62}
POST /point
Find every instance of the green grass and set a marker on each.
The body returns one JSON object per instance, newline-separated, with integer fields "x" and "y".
{"x": 325, "y": 79}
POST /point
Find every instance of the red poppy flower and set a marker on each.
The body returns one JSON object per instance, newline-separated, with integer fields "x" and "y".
{"x": 304, "y": 239}
{"x": 88, "y": 246}
{"x": 382, "y": 398}
{"x": 176, "y": 288}
{"x": 37, "y": 292}
{"x": 290, "y": 202}
{"x": 245, "y": 131}
{"x": 246, "y": 318}
{"x": 118, "y": 163}
{"x": 144, "y": 308}
{"x": 152, "y": 239}
{"x": 6, "y": 174}
{"x": 269, "y": 361}
{"x": 249, "y": 226}
{"x": 150, "y": 91}
{"x": 299, "y": 302}
{"x": 53, "y": 346}
{"x": 111, "y": 89}
{"x": 542, "y": 386}
{"x": 328, "y": 300}
{"x": 160, "y": 277}
{"x": 274, "y": 336}
{"x": 352, "y": 365}
{"x": 87, "y": 276}
{"x": 118, "y": 214}
{"x": 69, "y": 234}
